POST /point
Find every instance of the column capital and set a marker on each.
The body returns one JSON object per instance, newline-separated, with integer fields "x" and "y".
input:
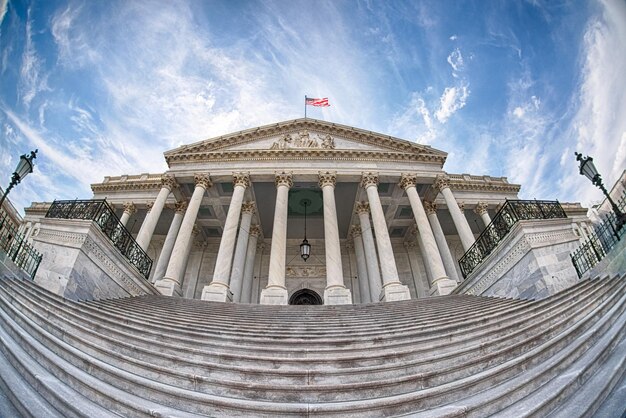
{"x": 442, "y": 181}
{"x": 369, "y": 179}
{"x": 202, "y": 180}
{"x": 168, "y": 181}
{"x": 328, "y": 178}
{"x": 195, "y": 230}
{"x": 362, "y": 207}
{"x": 408, "y": 180}
{"x": 241, "y": 179}
{"x": 180, "y": 207}
{"x": 461, "y": 206}
{"x": 130, "y": 208}
{"x": 481, "y": 207}
{"x": 255, "y": 230}
{"x": 349, "y": 245}
{"x": 284, "y": 178}
{"x": 247, "y": 207}
{"x": 409, "y": 244}
{"x": 149, "y": 206}
{"x": 355, "y": 230}
{"x": 430, "y": 207}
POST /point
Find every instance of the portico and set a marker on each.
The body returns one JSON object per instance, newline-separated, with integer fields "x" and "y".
{"x": 368, "y": 197}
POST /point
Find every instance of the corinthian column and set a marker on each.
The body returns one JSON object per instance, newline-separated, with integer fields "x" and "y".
{"x": 481, "y": 210}
{"x": 335, "y": 293}
{"x": 129, "y": 209}
{"x": 248, "y": 273}
{"x": 444, "y": 249}
{"x": 361, "y": 266}
{"x": 171, "y": 283}
{"x": 239, "y": 262}
{"x": 276, "y": 293}
{"x": 369, "y": 246}
{"x": 170, "y": 239}
{"x": 393, "y": 289}
{"x": 442, "y": 183}
{"x": 218, "y": 289}
{"x": 148, "y": 225}
{"x": 440, "y": 282}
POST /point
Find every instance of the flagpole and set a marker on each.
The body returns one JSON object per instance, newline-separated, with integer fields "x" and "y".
{"x": 305, "y": 106}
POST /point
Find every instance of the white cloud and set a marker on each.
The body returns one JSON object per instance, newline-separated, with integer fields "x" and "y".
{"x": 454, "y": 38}
{"x": 3, "y": 10}
{"x": 32, "y": 81}
{"x": 455, "y": 59}
{"x": 452, "y": 99}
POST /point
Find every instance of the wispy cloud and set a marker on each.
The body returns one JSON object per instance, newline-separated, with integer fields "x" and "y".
{"x": 32, "y": 79}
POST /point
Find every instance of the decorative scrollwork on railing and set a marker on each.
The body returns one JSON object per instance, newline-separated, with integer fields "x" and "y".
{"x": 17, "y": 248}
{"x": 103, "y": 215}
{"x": 510, "y": 213}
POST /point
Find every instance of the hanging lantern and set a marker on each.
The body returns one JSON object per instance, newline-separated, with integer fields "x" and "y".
{"x": 305, "y": 247}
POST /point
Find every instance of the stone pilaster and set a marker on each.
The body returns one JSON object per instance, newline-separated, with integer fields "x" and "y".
{"x": 393, "y": 289}
{"x": 248, "y": 273}
{"x": 170, "y": 240}
{"x": 361, "y": 265}
{"x": 239, "y": 262}
{"x": 276, "y": 293}
{"x": 335, "y": 293}
{"x": 171, "y": 283}
{"x": 218, "y": 290}
{"x": 154, "y": 212}
{"x": 440, "y": 282}
{"x": 442, "y": 183}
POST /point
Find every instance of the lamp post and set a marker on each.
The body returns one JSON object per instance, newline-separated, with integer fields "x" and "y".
{"x": 24, "y": 168}
{"x": 305, "y": 247}
{"x": 588, "y": 169}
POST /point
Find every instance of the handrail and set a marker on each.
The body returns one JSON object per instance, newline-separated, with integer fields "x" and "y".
{"x": 17, "y": 248}
{"x": 99, "y": 211}
{"x": 511, "y": 212}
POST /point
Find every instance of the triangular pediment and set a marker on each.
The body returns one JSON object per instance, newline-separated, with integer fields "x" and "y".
{"x": 304, "y": 137}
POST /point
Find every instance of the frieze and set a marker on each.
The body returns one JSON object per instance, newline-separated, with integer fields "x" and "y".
{"x": 305, "y": 271}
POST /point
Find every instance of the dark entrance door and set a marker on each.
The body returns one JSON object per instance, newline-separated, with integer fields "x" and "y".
{"x": 305, "y": 297}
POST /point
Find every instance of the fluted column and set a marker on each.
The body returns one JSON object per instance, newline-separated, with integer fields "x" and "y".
{"x": 129, "y": 209}
{"x": 440, "y": 282}
{"x": 369, "y": 246}
{"x": 276, "y": 293}
{"x": 442, "y": 183}
{"x": 481, "y": 210}
{"x": 444, "y": 249}
{"x": 248, "y": 273}
{"x": 218, "y": 290}
{"x": 171, "y": 283}
{"x": 393, "y": 289}
{"x": 239, "y": 261}
{"x": 361, "y": 266}
{"x": 170, "y": 239}
{"x": 336, "y": 292}
{"x": 147, "y": 227}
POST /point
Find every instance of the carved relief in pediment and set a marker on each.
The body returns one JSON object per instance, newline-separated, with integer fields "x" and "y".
{"x": 304, "y": 140}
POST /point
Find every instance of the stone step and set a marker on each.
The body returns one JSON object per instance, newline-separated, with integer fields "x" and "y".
{"x": 333, "y": 389}
{"x": 227, "y": 355}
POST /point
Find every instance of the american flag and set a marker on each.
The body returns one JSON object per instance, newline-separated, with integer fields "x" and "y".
{"x": 316, "y": 102}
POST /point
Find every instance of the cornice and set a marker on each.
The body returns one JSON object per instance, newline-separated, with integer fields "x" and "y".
{"x": 153, "y": 182}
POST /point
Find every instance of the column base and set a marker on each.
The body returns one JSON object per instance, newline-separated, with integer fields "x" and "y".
{"x": 395, "y": 291}
{"x": 337, "y": 296}
{"x": 217, "y": 292}
{"x": 274, "y": 295}
{"x": 442, "y": 286}
{"x": 168, "y": 287}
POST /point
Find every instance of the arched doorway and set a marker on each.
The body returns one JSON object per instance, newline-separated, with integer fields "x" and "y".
{"x": 305, "y": 297}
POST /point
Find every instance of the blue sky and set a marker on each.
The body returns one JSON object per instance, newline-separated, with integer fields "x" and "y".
{"x": 507, "y": 88}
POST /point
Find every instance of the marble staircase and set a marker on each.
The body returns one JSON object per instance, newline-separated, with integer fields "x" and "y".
{"x": 446, "y": 356}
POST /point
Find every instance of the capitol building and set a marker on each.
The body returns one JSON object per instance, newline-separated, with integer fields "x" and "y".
{"x": 192, "y": 292}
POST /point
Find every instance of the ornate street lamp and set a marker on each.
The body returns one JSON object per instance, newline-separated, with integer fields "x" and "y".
{"x": 24, "y": 168}
{"x": 305, "y": 247}
{"x": 588, "y": 169}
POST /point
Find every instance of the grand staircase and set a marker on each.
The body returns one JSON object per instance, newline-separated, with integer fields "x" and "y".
{"x": 450, "y": 356}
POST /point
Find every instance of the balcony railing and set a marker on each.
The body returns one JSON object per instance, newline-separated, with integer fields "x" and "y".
{"x": 17, "y": 248}
{"x": 103, "y": 215}
{"x": 599, "y": 243}
{"x": 510, "y": 213}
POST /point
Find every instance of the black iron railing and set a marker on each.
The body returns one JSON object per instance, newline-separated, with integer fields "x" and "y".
{"x": 511, "y": 212}
{"x": 102, "y": 214}
{"x": 17, "y": 248}
{"x": 599, "y": 243}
